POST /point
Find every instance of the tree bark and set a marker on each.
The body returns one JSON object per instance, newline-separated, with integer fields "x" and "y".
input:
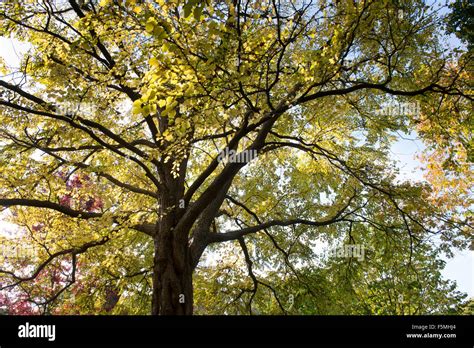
{"x": 172, "y": 279}
{"x": 172, "y": 271}
{"x": 173, "y": 268}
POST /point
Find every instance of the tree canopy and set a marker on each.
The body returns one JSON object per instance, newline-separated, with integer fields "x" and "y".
{"x": 205, "y": 156}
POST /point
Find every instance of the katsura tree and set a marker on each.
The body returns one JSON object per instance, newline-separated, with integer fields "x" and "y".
{"x": 229, "y": 142}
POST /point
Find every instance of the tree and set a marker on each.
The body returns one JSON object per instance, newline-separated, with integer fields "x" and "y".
{"x": 460, "y": 21}
{"x": 144, "y": 134}
{"x": 467, "y": 307}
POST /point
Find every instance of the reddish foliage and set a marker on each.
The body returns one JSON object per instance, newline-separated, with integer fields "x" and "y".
{"x": 38, "y": 226}
{"x": 89, "y": 203}
{"x": 17, "y": 304}
{"x": 66, "y": 200}
{"x": 57, "y": 275}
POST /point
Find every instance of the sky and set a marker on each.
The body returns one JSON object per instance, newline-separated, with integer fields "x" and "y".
{"x": 460, "y": 268}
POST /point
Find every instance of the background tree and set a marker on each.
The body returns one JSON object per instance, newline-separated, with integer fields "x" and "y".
{"x": 460, "y": 21}
{"x": 114, "y": 128}
{"x": 468, "y": 307}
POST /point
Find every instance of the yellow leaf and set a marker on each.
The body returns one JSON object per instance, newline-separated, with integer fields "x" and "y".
{"x": 149, "y": 27}
{"x": 137, "y": 103}
{"x": 162, "y": 103}
{"x": 168, "y": 136}
{"x": 153, "y": 61}
{"x": 136, "y": 110}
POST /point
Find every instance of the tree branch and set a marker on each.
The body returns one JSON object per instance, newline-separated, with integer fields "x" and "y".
{"x": 49, "y": 205}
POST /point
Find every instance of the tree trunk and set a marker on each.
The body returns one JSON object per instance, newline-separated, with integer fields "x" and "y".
{"x": 173, "y": 269}
{"x": 172, "y": 278}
